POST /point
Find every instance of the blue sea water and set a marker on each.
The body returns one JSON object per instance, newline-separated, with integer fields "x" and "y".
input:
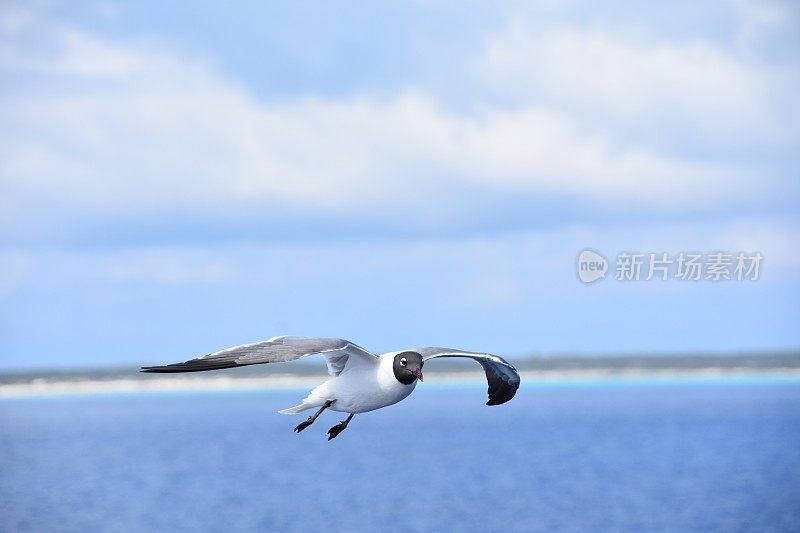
{"x": 680, "y": 455}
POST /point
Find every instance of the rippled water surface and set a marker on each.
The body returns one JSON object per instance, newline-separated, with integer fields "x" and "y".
{"x": 640, "y": 456}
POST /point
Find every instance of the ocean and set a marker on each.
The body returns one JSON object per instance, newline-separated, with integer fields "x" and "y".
{"x": 605, "y": 455}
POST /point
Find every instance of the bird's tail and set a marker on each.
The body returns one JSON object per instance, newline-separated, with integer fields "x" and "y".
{"x": 316, "y": 398}
{"x": 296, "y": 409}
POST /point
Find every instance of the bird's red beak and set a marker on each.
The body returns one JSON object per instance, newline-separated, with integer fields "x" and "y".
{"x": 417, "y": 373}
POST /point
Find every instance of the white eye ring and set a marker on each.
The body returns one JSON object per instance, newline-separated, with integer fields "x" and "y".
{"x": 403, "y": 361}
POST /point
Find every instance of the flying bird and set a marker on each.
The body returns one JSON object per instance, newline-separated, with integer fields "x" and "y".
{"x": 360, "y": 380}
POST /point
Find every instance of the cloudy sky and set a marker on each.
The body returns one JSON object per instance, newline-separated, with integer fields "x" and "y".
{"x": 177, "y": 178}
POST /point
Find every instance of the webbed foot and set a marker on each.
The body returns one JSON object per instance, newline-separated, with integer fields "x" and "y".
{"x": 338, "y": 428}
{"x": 303, "y": 425}
{"x": 335, "y": 430}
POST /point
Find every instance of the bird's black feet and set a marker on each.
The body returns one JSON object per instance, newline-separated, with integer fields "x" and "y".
{"x": 338, "y": 428}
{"x": 303, "y": 425}
{"x": 335, "y": 430}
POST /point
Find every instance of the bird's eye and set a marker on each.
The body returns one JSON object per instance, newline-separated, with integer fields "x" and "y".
{"x": 403, "y": 361}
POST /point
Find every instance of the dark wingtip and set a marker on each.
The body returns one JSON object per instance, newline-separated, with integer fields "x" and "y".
{"x": 502, "y": 398}
{"x": 193, "y": 365}
{"x": 160, "y": 369}
{"x": 503, "y": 380}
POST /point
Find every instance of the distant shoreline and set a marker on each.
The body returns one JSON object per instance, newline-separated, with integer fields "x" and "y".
{"x": 54, "y": 386}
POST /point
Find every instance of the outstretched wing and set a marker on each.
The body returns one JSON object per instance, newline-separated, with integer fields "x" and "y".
{"x": 502, "y": 376}
{"x": 337, "y": 353}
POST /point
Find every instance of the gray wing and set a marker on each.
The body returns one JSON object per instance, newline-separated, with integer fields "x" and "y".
{"x": 502, "y": 376}
{"x": 337, "y": 353}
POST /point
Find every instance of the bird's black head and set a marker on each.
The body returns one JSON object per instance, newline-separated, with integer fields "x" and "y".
{"x": 407, "y": 367}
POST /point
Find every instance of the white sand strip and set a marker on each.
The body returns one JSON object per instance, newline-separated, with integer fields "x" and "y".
{"x": 54, "y": 386}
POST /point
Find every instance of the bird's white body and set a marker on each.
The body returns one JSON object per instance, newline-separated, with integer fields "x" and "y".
{"x": 361, "y": 380}
{"x": 362, "y": 386}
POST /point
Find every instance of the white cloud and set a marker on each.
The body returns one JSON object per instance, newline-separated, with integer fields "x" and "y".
{"x": 498, "y": 272}
{"x": 614, "y": 80}
{"x": 759, "y": 18}
{"x": 131, "y": 129}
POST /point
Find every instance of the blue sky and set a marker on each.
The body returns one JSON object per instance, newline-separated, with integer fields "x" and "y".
{"x": 179, "y": 178}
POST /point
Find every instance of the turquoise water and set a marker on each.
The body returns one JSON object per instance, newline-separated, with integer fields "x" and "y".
{"x": 641, "y": 455}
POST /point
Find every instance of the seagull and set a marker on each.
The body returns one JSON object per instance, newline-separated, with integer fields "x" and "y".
{"x": 360, "y": 380}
